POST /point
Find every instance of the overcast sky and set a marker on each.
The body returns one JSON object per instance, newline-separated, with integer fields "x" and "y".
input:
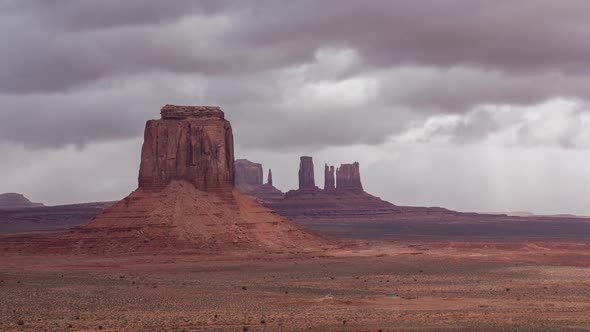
{"x": 469, "y": 105}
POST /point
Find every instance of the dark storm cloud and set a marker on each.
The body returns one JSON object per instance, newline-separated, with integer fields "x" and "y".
{"x": 503, "y": 35}
{"x": 253, "y": 57}
{"x": 91, "y": 14}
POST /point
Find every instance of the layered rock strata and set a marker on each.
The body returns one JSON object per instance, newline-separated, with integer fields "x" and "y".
{"x": 186, "y": 200}
{"x": 347, "y": 202}
{"x": 189, "y": 143}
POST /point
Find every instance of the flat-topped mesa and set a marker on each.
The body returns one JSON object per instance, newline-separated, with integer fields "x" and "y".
{"x": 348, "y": 178}
{"x": 248, "y": 173}
{"x": 16, "y": 201}
{"x": 329, "y": 179}
{"x": 175, "y": 112}
{"x": 306, "y": 174}
{"x": 190, "y": 143}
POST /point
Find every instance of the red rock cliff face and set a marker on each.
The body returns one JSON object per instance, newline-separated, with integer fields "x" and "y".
{"x": 306, "y": 175}
{"x": 348, "y": 178}
{"x": 248, "y": 172}
{"x": 191, "y": 143}
{"x": 330, "y": 181}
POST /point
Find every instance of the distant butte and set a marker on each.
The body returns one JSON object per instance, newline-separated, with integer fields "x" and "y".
{"x": 16, "y": 201}
{"x": 249, "y": 181}
{"x": 344, "y": 200}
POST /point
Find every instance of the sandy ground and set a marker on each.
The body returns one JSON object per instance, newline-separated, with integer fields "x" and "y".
{"x": 440, "y": 286}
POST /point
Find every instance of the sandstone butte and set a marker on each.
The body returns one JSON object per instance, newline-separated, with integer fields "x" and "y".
{"x": 249, "y": 181}
{"x": 186, "y": 199}
{"x": 343, "y": 200}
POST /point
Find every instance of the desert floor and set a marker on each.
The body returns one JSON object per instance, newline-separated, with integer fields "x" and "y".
{"x": 438, "y": 285}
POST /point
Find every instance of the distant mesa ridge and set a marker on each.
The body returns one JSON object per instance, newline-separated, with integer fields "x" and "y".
{"x": 344, "y": 200}
{"x": 16, "y": 201}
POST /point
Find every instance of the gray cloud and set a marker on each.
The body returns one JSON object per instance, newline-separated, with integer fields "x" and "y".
{"x": 340, "y": 78}
{"x": 66, "y": 43}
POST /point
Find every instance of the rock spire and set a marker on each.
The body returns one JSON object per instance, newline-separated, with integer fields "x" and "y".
{"x": 329, "y": 179}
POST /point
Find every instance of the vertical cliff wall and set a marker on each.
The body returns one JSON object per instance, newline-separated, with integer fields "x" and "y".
{"x": 329, "y": 179}
{"x": 192, "y": 143}
{"x": 306, "y": 174}
{"x": 269, "y": 180}
{"x": 248, "y": 173}
{"x": 348, "y": 178}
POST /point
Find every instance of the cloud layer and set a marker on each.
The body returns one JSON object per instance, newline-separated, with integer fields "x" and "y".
{"x": 296, "y": 77}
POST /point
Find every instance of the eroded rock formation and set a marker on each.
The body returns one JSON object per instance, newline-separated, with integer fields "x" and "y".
{"x": 248, "y": 173}
{"x": 329, "y": 179}
{"x": 186, "y": 200}
{"x": 348, "y": 178}
{"x": 269, "y": 179}
{"x": 16, "y": 201}
{"x": 189, "y": 143}
{"x": 306, "y": 174}
{"x": 347, "y": 202}
{"x": 249, "y": 181}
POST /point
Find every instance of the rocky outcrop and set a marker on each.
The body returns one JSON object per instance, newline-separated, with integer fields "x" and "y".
{"x": 306, "y": 174}
{"x": 16, "y": 201}
{"x": 347, "y": 202}
{"x": 342, "y": 199}
{"x": 188, "y": 157}
{"x": 249, "y": 181}
{"x": 248, "y": 173}
{"x": 269, "y": 179}
{"x": 189, "y": 143}
{"x": 186, "y": 200}
{"x": 348, "y": 178}
{"x": 329, "y": 179}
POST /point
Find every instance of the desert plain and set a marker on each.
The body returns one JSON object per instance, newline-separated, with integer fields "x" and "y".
{"x": 377, "y": 285}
